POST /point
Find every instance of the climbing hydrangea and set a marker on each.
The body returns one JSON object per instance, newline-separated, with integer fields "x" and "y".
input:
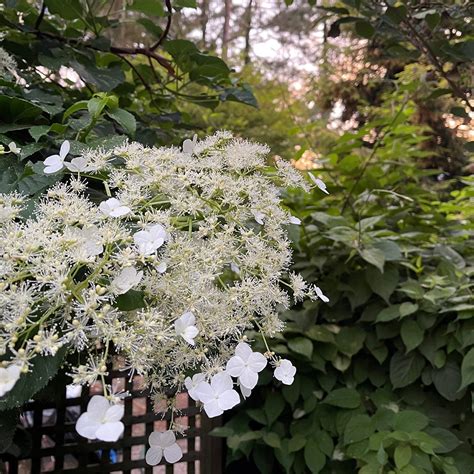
{"x": 164, "y": 266}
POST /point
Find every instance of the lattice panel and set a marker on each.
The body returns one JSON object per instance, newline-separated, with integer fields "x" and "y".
{"x": 56, "y": 447}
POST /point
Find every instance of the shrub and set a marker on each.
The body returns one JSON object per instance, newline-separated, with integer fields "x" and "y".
{"x": 385, "y": 369}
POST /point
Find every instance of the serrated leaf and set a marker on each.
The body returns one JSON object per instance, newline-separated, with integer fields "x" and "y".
{"x": 43, "y": 369}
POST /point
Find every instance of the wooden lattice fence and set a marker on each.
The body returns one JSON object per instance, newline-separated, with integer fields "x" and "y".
{"x": 56, "y": 447}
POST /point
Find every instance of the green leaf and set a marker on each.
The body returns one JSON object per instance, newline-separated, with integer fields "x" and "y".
{"x": 315, "y": 459}
{"x": 291, "y": 392}
{"x": 402, "y": 455}
{"x": 105, "y": 79}
{"x": 16, "y": 110}
{"x": 389, "y": 314}
{"x": 344, "y": 398}
{"x": 258, "y": 415}
{"x": 43, "y": 369}
{"x": 350, "y": 340}
{"x": 185, "y": 4}
{"x": 446, "y": 438}
{"x": 81, "y": 105}
{"x": 149, "y": 7}
{"x": 8, "y": 424}
{"x": 96, "y": 105}
{"x": 302, "y": 346}
{"x": 131, "y": 300}
{"x": 382, "y": 456}
{"x": 447, "y": 381}
{"x": 433, "y": 20}
{"x": 409, "y": 421}
{"x": 374, "y": 256}
{"x": 408, "y": 308}
{"x": 70, "y": 10}
{"x": 296, "y": 443}
{"x": 125, "y": 119}
{"x": 358, "y": 428}
{"x": 273, "y": 407}
{"x": 405, "y": 368}
{"x": 222, "y": 432}
{"x": 365, "y": 29}
{"x": 264, "y": 459}
{"x": 467, "y": 369}
{"x": 412, "y": 334}
{"x": 396, "y": 14}
{"x": 151, "y": 26}
{"x": 38, "y": 131}
{"x": 390, "y": 250}
{"x": 243, "y": 95}
{"x": 272, "y": 439}
{"x": 320, "y": 333}
{"x": 284, "y": 457}
{"x": 382, "y": 284}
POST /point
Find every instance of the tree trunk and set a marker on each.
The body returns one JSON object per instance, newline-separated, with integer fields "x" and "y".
{"x": 248, "y": 27}
{"x": 226, "y": 32}
{"x": 204, "y": 19}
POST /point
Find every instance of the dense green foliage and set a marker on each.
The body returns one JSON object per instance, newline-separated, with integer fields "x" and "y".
{"x": 84, "y": 86}
{"x": 384, "y": 369}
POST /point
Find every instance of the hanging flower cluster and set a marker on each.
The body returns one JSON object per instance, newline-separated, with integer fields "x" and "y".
{"x": 163, "y": 256}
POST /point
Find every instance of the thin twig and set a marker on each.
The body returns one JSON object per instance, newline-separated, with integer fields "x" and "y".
{"x": 153, "y": 70}
{"x": 142, "y": 79}
{"x": 167, "y": 27}
{"x": 165, "y": 63}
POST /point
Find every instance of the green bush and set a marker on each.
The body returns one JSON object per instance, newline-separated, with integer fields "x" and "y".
{"x": 385, "y": 369}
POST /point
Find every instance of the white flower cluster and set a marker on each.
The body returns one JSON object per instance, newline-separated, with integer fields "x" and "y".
{"x": 160, "y": 255}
